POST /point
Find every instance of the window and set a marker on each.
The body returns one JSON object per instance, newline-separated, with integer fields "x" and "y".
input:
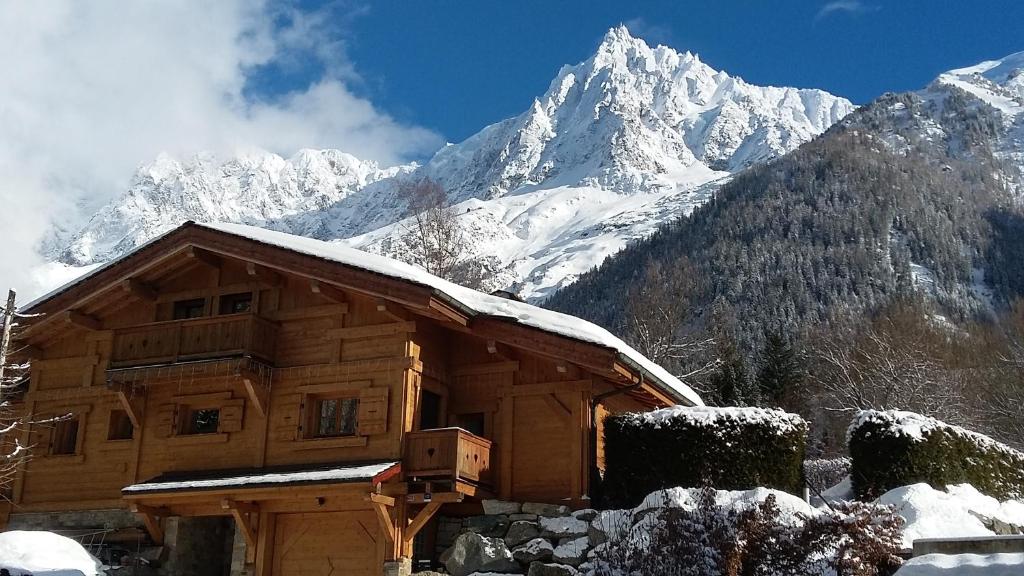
{"x": 65, "y": 437}
{"x": 120, "y": 426}
{"x": 235, "y": 303}
{"x": 334, "y": 417}
{"x": 430, "y": 410}
{"x": 201, "y": 421}
{"x": 472, "y": 423}
{"x": 185, "y": 309}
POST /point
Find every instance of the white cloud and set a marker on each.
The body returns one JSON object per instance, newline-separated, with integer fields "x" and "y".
{"x": 89, "y": 90}
{"x": 848, "y": 6}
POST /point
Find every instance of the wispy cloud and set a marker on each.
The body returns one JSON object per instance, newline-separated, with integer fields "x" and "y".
{"x": 652, "y": 33}
{"x": 844, "y": 6}
{"x": 90, "y": 90}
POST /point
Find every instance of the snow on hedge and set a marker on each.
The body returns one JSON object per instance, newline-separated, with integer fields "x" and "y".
{"x": 45, "y": 554}
{"x": 964, "y": 565}
{"x": 917, "y": 427}
{"x": 954, "y": 513}
{"x": 711, "y": 416}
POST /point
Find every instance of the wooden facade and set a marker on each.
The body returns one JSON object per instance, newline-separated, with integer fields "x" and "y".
{"x": 207, "y": 351}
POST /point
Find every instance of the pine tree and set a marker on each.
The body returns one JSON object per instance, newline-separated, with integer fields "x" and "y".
{"x": 780, "y": 371}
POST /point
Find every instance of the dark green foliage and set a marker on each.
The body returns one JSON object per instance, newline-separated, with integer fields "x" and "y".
{"x": 780, "y": 372}
{"x": 730, "y": 384}
{"x": 731, "y": 453}
{"x": 883, "y": 459}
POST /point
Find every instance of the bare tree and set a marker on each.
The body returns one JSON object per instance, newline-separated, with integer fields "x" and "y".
{"x": 434, "y": 239}
{"x": 657, "y": 308}
{"x": 13, "y": 453}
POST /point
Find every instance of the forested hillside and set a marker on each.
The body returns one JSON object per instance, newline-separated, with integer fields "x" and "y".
{"x": 904, "y": 205}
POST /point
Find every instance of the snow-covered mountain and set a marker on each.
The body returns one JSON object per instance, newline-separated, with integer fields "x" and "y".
{"x": 630, "y": 138}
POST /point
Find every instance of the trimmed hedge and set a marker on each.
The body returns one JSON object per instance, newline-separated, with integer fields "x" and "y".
{"x": 727, "y": 448}
{"x": 892, "y": 449}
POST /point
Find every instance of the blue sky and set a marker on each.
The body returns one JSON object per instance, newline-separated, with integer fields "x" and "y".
{"x": 453, "y": 67}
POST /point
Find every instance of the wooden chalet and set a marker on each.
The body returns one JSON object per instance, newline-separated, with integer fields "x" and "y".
{"x": 325, "y": 401}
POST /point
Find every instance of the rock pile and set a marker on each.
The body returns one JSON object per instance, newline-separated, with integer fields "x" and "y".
{"x": 512, "y": 538}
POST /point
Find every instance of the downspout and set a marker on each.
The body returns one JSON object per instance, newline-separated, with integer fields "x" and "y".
{"x": 595, "y": 491}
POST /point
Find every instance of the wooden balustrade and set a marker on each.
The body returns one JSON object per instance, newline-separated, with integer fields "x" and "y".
{"x": 448, "y": 454}
{"x": 194, "y": 339}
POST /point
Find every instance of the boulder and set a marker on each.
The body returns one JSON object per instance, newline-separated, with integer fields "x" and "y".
{"x": 545, "y": 509}
{"x": 572, "y": 551}
{"x": 490, "y": 526}
{"x": 563, "y": 527}
{"x": 587, "y": 514}
{"x": 492, "y": 507}
{"x": 472, "y": 552}
{"x": 516, "y": 517}
{"x": 541, "y": 569}
{"x": 536, "y": 550}
{"x": 521, "y": 531}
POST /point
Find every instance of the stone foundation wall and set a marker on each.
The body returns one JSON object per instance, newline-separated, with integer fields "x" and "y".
{"x": 517, "y": 538}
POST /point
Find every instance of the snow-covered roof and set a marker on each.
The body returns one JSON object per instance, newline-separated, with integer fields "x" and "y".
{"x": 468, "y": 300}
{"x": 341, "y": 473}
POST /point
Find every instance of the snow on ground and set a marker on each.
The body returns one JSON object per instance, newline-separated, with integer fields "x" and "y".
{"x": 45, "y": 554}
{"x": 932, "y": 513}
{"x": 964, "y": 565}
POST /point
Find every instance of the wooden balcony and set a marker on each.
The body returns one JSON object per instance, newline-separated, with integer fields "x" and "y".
{"x": 448, "y": 454}
{"x": 194, "y": 339}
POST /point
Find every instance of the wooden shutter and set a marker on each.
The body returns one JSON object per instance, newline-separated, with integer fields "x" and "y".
{"x": 373, "y": 411}
{"x": 166, "y": 420}
{"x": 231, "y": 413}
{"x": 42, "y": 433}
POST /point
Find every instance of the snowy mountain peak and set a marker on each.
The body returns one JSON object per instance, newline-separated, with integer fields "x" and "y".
{"x": 999, "y": 83}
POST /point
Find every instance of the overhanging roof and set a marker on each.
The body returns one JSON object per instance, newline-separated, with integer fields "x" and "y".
{"x": 211, "y": 480}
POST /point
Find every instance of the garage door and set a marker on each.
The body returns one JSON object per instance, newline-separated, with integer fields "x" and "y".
{"x": 318, "y": 544}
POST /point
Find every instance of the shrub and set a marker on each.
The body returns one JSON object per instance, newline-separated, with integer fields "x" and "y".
{"x": 855, "y": 539}
{"x": 892, "y": 449}
{"x": 824, "y": 473}
{"x": 728, "y": 448}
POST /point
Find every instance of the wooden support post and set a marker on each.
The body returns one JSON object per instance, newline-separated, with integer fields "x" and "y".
{"x": 150, "y": 517}
{"x": 139, "y": 289}
{"x": 265, "y": 544}
{"x": 133, "y": 403}
{"x": 420, "y": 521}
{"x": 382, "y": 505}
{"x": 258, "y": 394}
{"x": 243, "y": 514}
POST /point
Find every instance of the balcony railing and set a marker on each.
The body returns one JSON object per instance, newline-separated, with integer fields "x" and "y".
{"x": 194, "y": 339}
{"x": 448, "y": 454}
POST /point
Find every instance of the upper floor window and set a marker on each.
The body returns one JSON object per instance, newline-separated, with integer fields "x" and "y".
{"x": 65, "y": 437}
{"x": 120, "y": 426}
{"x": 235, "y": 303}
{"x": 334, "y": 417}
{"x": 201, "y": 421}
{"x": 193, "y": 308}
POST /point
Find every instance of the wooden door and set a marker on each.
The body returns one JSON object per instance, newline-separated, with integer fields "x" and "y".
{"x": 327, "y": 543}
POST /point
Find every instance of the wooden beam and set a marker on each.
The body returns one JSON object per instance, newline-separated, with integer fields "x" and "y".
{"x": 242, "y": 513}
{"x": 84, "y": 321}
{"x": 259, "y": 394}
{"x": 149, "y": 516}
{"x": 547, "y": 388}
{"x": 439, "y": 497}
{"x": 133, "y": 403}
{"x": 139, "y": 289}
{"x": 387, "y": 309}
{"x": 328, "y": 291}
{"x": 420, "y": 521}
{"x": 371, "y": 331}
{"x": 203, "y": 256}
{"x": 381, "y": 505}
{"x": 264, "y": 274}
{"x": 485, "y": 368}
{"x": 448, "y": 312}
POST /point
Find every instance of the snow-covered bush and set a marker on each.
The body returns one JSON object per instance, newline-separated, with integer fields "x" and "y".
{"x": 891, "y": 449}
{"x": 756, "y": 537}
{"x": 728, "y": 448}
